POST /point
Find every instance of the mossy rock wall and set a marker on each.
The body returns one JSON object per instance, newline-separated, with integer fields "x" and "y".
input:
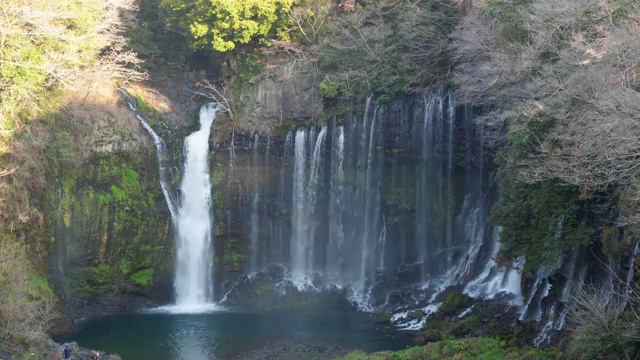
{"x": 112, "y": 234}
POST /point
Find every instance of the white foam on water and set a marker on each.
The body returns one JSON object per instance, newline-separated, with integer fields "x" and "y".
{"x": 188, "y": 309}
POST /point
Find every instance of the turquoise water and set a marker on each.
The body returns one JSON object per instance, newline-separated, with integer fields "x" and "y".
{"x": 223, "y": 335}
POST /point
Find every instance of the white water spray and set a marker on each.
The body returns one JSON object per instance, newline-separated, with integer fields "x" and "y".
{"x": 193, "y": 282}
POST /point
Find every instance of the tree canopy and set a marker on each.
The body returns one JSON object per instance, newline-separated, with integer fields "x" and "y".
{"x": 223, "y": 24}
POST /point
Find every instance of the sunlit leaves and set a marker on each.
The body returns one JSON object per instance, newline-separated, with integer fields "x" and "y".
{"x": 223, "y": 24}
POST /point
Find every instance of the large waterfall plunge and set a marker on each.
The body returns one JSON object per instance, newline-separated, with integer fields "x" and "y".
{"x": 398, "y": 187}
{"x": 194, "y": 265}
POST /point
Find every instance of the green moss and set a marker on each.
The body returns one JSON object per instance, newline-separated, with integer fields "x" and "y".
{"x": 39, "y": 288}
{"x": 384, "y": 318}
{"x": 104, "y": 199}
{"x": 144, "y": 108}
{"x": 142, "y": 277}
{"x": 250, "y": 65}
{"x": 176, "y": 178}
{"x": 82, "y": 291}
{"x": 118, "y": 194}
{"x": 454, "y": 303}
{"x": 102, "y": 273}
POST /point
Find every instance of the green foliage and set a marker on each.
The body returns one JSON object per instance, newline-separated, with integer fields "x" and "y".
{"x": 524, "y": 136}
{"x": 249, "y": 66}
{"x": 454, "y": 303}
{"x": 104, "y": 199}
{"x": 142, "y": 277}
{"x": 384, "y": 318}
{"x": 175, "y": 180}
{"x": 221, "y": 25}
{"x": 143, "y": 107}
{"x": 39, "y": 288}
{"x": 102, "y": 273}
{"x": 486, "y": 349}
{"x": 416, "y": 314}
{"x": 470, "y": 348}
{"x": 151, "y": 199}
{"x": 129, "y": 181}
{"x": 39, "y": 53}
{"x": 83, "y": 291}
{"x": 540, "y": 221}
{"x": 118, "y": 194}
{"x": 233, "y": 256}
{"x": 607, "y": 325}
{"x": 328, "y": 89}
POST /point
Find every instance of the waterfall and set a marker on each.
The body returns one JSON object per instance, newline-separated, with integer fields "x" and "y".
{"x": 161, "y": 153}
{"x": 193, "y": 219}
{"x": 336, "y": 205}
{"x": 396, "y": 186}
{"x": 299, "y": 242}
{"x": 281, "y": 239}
{"x": 255, "y": 221}
{"x": 306, "y": 188}
{"x": 193, "y": 281}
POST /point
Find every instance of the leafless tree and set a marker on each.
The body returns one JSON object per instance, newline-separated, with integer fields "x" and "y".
{"x": 606, "y": 320}
{"x": 578, "y": 67}
{"x": 311, "y": 18}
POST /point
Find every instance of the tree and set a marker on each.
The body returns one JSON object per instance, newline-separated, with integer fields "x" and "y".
{"x": 48, "y": 51}
{"x": 575, "y": 64}
{"x": 387, "y": 46}
{"x": 540, "y": 222}
{"x": 45, "y": 45}
{"x": 222, "y": 25}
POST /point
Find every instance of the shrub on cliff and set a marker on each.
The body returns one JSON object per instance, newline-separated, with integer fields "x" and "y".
{"x": 27, "y": 302}
{"x": 608, "y": 326}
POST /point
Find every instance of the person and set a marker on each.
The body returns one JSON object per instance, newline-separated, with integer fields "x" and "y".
{"x": 95, "y": 355}
{"x": 67, "y": 352}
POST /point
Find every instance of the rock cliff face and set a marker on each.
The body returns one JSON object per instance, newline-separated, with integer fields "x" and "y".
{"x": 107, "y": 137}
{"x": 279, "y": 94}
{"x": 111, "y": 236}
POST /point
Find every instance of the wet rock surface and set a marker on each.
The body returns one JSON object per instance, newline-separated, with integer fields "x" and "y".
{"x": 271, "y": 289}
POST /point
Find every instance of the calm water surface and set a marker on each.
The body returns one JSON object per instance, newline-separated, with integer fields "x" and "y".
{"x": 222, "y": 335}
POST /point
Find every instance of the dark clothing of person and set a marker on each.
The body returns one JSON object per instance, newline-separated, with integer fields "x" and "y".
{"x": 67, "y": 353}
